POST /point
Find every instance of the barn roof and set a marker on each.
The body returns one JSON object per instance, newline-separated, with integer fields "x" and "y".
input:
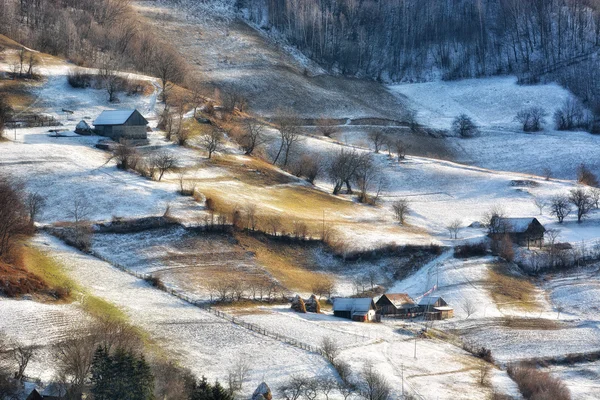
{"x": 356, "y": 305}
{"x": 113, "y": 117}
{"x": 399, "y": 299}
{"x": 520, "y": 225}
{"x": 429, "y": 300}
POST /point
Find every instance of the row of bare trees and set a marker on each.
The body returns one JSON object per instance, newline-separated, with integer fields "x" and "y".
{"x": 91, "y": 32}
{"x": 370, "y": 385}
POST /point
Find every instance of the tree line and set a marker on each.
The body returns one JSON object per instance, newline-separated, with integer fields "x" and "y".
{"x": 411, "y": 39}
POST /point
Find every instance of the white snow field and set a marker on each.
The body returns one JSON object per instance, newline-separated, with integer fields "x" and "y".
{"x": 440, "y": 370}
{"x": 40, "y": 325}
{"x": 199, "y": 340}
{"x": 493, "y": 104}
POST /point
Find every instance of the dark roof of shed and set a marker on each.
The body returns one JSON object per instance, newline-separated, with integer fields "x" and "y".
{"x": 519, "y": 225}
{"x": 114, "y": 117}
{"x": 399, "y": 299}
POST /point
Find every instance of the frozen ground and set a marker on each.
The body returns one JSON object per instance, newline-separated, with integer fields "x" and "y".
{"x": 581, "y": 379}
{"x": 439, "y": 371}
{"x": 201, "y": 341}
{"x": 493, "y": 104}
{"x": 231, "y": 55}
{"x": 23, "y": 321}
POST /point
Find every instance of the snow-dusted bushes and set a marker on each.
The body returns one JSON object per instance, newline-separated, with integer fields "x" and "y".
{"x": 463, "y": 126}
{"x": 538, "y": 385}
{"x": 532, "y": 119}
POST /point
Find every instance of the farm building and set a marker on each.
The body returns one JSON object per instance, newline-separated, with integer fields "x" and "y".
{"x": 396, "y": 304}
{"x": 121, "y": 124}
{"x": 523, "y": 231}
{"x": 356, "y": 309}
{"x": 435, "y": 308}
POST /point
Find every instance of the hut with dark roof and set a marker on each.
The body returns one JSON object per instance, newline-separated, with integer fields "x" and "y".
{"x": 399, "y": 305}
{"x": 121, "y": 124}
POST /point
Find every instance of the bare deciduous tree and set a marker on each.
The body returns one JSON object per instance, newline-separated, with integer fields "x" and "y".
{"x": 483, "y": 370}
{"x": 401, "y": 209}
{"x": 532, "y": 119}
{"x": 540, "y": 203}
{"x": 13, "y": 213}
{"x": 453, "y": 228}
{"x": 290, "y": 134}
{"x": 377, "y": 138}
{"x": 582, "y": 201}
{"x": 238, "y": 374}
{"x": 163, "y": 162}
{"x": 342, "y": 169}
{"x": 375, "y": 386}
{"x": 330, "y": 349}
{"x": 293, "y": 388}
{"x": 125, "y": 154}
{"x": 469, "y": 307}
{"x": 253, "y": 136}
{"x": 22, "y": 355}
{"x": 327, "y": 127}
{"x": 560, "y": 207}
{"x": 169, "y": 68}
{"x": 211, "y": 141}
{"x": 35, "y": 205}
{"x": 464, "y": 126}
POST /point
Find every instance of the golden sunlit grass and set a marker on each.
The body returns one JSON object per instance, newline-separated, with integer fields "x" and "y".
{"x": 510, "y": 291}
{"x": 288, "y": 264}
{"x": 18, "y": 94}
{"x": 53, "y": 273}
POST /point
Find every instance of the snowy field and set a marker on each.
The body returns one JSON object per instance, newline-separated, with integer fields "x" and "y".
{"x": 23, "y": 320}
{"x": 581, "y": 379}
{"x": 439, "y": 371}
{"x": 206, "y": 344}
{"x": 493, "y": 104}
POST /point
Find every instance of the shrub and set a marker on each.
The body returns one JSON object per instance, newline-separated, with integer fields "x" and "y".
{"x": 471, "y": 250}
{"x": 464, "y": 126}
{"x": 570, "y": 115}
{"x": 80, "y": 80}
{"x": 532, "y": 119}
{"x": 156, "y": 282}
{"x": 538, "y": 385}
{"x": 586, "y": 177}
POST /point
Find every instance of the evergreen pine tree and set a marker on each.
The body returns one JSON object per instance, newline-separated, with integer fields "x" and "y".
{"x": 101, "y": 375}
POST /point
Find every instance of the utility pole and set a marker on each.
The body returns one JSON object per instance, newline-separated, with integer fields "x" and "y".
{"x": 402, "y": 380}
{"x": 415, "y": 355}
{"x": 323, "y": 231}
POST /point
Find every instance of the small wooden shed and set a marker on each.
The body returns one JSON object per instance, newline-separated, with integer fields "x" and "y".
{"x": 356, "y": 309}
{"x": 399, "y": 305}
{"x": 121, "y": 124}
{"x": 522, "y": 231}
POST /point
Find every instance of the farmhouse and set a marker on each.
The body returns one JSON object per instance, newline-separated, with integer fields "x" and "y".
{"x": 396, "y": 304}
{"x": 356, "y": 309}
{"x": 523, "y": 231}
{"x": 121, "y": 124}
{"x": 435, "y": 308}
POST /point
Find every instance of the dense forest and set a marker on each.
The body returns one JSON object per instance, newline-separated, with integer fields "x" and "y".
{"x": 407, "y": 40}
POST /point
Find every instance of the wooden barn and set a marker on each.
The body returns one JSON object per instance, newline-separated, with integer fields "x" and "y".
{"x": 522, "y": 231}
{"x": 121, "y": 124}
{"x": 435, "y": 308}
{"x": 398, "y": 305}
{"x": 356, "y": 309}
